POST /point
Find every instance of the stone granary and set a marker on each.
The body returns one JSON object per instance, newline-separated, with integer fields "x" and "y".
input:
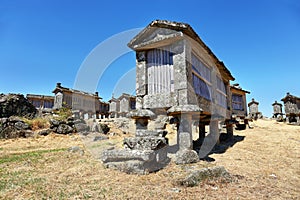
{"x": 114, "y": 107}
{"x": 83, "y": 104}
{"x": 102, "y": 111}
{"x": 176, "y": 69}
{"x": 42, "y": 103}
{"x": 121, "y": 106}
{"x": 292, "y": 108}
{"x": 239, "y": 105}
{"x": 277, "y": 111}
{"x": 179, "y": 76}
{"x": 253, "y": 110}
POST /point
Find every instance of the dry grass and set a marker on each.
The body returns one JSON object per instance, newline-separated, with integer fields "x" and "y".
{"x": 266, "y": 165}
{"x": 37, "y": 123}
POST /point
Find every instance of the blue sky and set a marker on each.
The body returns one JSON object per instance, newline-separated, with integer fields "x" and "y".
{"x": 44, "y": 42}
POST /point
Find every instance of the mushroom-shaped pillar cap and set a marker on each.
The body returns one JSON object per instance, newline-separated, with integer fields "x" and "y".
{"x": 193, "y": 109}
{"x": 141, "y": 113}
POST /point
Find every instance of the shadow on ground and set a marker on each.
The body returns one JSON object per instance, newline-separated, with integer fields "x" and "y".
{"x": 225, "y": 144}
{"x": 219, "y": 148}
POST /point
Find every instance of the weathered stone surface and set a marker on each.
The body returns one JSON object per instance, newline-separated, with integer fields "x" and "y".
{"x": 16, "y": 105}
{"x": 124, "y": 155}
{"x": 159, "y": 100}
{"x": 15, "y": 119}
{"x": 100, "y": 137}
{"x": 136, "y": 161}
{"x": 186, "y": 156}
{"x": 141, "y": 113}
{"x": 104, "y": 128}
{"x": 144, "y": 132}
{"x": 185, "y": 141}
{"x": 21, "y": 125}
{"x": 44, "y": 132}
{"x": 14, "y": 127}
{"x": 129, "y": 167}
{"x": 26, "y": 133}
{"x": 76, "y": 149}
{"x": 184, "y": 109}
{"x": 54, "y": 123}
{"x": 145, "y": 143}
{"x": 194, "y": 177}
{"x": 81, "y": 127}
{"x": 64, "y": 129}
{"x": 160, "y": 122}
{"x": 95, "y": 127}
{"x": 78, "y": 120}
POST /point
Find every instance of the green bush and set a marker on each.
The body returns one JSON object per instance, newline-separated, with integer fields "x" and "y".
{"x": 63, "y": 113}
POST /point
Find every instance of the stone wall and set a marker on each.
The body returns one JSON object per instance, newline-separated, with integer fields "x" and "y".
{"x": 14, "y": 127}
{"x": 16, "y": 105}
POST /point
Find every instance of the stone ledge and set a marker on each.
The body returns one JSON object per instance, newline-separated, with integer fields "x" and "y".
{"x": 145, "y": 143}
{"x": 120, "y": 155}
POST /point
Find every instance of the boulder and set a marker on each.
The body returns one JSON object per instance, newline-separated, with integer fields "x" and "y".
{"x": 186, "y": 156}
{"x": 104, "y": 128}
{"x": 76, "y": 149}
{"x": 81, "y": 127}
{"x": 21, "y": 125}
{"x": 100, "y": 137}
{"x": 44, "y": 132}
{"x": 54, "y": 123}
{"x": 64, "y": 129}
{"x": 95, "y": 127}
{"x": 194, "y": 177}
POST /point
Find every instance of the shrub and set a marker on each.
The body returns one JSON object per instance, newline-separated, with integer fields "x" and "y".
{"x": 63, "y": 113}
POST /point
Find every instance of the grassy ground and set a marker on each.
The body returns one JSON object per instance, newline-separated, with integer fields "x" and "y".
{"x": 265, "y": 165}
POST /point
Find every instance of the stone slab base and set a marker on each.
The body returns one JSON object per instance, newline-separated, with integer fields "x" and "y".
{"x": 136, "y": 161}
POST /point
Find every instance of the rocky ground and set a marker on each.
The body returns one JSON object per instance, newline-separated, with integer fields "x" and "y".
{"x": 263, "y": 163}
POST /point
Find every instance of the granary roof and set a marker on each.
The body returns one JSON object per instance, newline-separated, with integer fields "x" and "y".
{"x": 38, "y": 96}
{"x": 112, "y": 99}
{"x": 125, "y": 95}
{"x": 252, "y": 102}
{"x": 290, "y": 97}
{"x": 237, "y": 87}
{"x": 187, "y": 30}
{"x": 59, "y": 88}
{"x": 276, "y": 103}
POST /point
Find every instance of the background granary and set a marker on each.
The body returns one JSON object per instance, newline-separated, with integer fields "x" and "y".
{"x": 83, "y": 104}
{"x": 253, "y": 109}
{"x": 292, "y": 108}
{"x": 239, "y": 105}
{"x": 277, "y": 111}
{"x": 121, "y": 106}
{"x": 43, "y": 103}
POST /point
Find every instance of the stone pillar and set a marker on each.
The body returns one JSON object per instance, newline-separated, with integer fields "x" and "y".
{"x": 229, "y": 130}
{"x": 184, "y": 134}
{"x": 139, "y": 102}
{"x": 298, "y": 120}
{"x": 214, "y": 130}
{"x": 201, "y": 131}
{"x": 184, "y": 113}
{"x": 81, "y": 115}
